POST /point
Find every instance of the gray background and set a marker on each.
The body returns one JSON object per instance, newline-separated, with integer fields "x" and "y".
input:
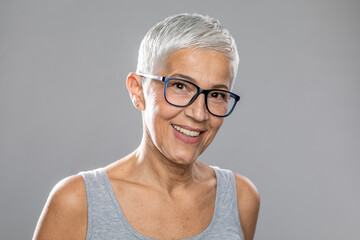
{"x": 295, "y": 134}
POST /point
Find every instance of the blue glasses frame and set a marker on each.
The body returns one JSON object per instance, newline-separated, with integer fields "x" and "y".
{"x": 199, "y": 91}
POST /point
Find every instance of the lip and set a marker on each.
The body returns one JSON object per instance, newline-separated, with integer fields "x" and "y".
{"x": 186, "y": 139}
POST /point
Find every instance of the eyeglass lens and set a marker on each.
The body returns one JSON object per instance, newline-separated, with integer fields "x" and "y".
{"x": 180, "y": 93}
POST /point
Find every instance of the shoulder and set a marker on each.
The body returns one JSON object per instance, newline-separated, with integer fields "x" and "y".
{"x": 69, "y": 193}
{"x": 248, "y": 204}
{"x": 65, "y": 213}
{"x": 246, "y": 190}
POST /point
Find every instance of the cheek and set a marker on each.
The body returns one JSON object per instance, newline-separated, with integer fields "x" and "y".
{"x": 152, "y": 109}
{"x": 157, "y": 112}
{"x": 152, "y": 96}
{"x": 216, "y": 122}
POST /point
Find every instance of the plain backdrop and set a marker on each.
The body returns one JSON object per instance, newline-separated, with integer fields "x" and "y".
{"x": 295, "y": 133}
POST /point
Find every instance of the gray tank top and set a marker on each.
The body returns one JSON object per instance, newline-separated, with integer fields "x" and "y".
{"x": 107, "y": 221}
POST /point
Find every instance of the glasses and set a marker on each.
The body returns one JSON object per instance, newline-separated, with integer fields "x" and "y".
{"x": 182, "y": 93}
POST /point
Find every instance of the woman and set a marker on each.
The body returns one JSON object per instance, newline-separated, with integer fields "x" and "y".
{"x": 186, "y": 68}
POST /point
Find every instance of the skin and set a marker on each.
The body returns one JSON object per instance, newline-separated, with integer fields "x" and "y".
{"x": 161, "y": 187}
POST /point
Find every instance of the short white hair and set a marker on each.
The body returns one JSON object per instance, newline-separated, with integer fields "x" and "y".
{"x": 185, "y": 31}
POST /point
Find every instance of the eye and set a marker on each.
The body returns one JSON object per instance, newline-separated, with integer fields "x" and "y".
{"x": 218, "y": 95}
{"x": 179, "y": 85}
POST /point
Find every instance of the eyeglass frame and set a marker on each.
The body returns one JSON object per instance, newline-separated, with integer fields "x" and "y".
{"x": 199, "y": 91}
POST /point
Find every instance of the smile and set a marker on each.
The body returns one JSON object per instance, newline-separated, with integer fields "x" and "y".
{"x": 186, "y": 132}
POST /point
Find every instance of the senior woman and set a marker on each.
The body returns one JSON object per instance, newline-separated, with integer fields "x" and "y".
{"x": 186, "y": 68}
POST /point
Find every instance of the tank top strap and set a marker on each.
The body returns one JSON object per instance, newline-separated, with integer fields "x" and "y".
{"x": 226, "y": 184}
{"x": 103, "y": 218}
{"x": 227, "y": 213}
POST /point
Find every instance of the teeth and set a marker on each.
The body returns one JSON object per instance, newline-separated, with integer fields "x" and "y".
{"x": 186, "y": 132}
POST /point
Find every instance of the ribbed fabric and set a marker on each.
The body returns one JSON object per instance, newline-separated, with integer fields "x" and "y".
{"x": 107, "y": 221}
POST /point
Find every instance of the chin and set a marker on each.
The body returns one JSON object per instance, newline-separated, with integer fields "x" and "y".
{"x": 184, "y": 157}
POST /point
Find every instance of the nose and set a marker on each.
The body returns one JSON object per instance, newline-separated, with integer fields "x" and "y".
{"x": 197, "y": 110}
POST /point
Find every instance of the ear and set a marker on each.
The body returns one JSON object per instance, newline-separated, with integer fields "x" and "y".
{"x": 134, "y": 86}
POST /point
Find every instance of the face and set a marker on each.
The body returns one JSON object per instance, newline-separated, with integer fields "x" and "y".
{"x": 182, "y": 134}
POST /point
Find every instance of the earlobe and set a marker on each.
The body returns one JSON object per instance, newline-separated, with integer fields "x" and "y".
{"x": 134, "y": 86}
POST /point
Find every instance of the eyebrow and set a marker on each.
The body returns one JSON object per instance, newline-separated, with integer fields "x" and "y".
{"x": 185, "y": 77}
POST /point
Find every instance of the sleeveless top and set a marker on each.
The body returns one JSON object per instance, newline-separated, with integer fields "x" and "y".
{"x": 107, "y": 221}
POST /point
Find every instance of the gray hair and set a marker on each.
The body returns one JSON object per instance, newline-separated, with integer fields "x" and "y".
{"x": 185, "y": 31}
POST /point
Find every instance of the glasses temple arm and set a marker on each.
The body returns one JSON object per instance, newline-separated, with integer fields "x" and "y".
{"x": 151, "y": 76}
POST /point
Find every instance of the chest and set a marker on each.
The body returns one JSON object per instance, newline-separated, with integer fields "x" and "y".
{"x": 160, "y": 216}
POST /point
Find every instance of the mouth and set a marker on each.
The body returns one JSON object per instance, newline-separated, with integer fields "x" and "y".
{"x": 186, "y": 132}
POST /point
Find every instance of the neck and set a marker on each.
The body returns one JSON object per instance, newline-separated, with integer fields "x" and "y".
{"x": 155, "y": 168}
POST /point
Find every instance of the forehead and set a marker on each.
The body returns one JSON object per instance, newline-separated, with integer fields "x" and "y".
{"x": 207, "y": 67}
